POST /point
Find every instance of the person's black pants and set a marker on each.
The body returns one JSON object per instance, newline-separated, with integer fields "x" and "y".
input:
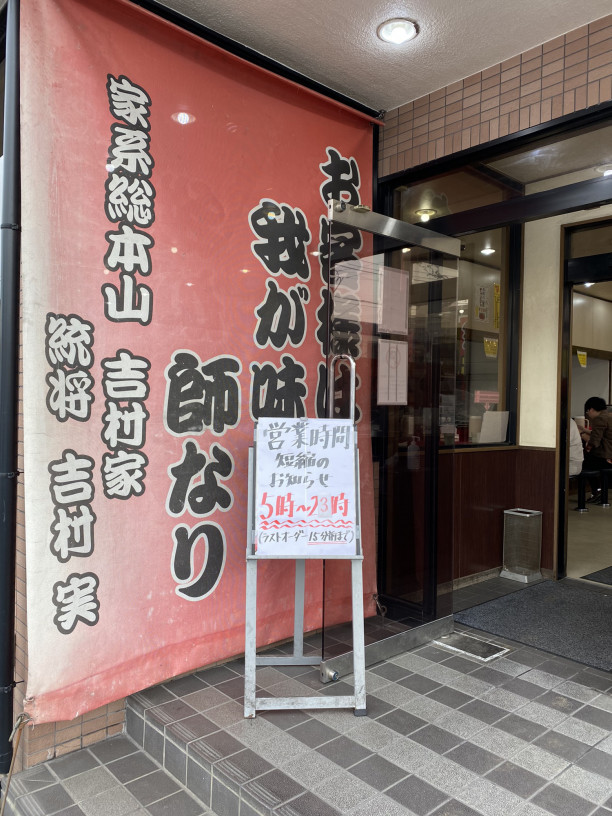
{"x": 592, "y": 462}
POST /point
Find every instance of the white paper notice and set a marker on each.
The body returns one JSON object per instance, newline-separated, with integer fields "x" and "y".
{"x": 392, "y": 372}
{"x": 394, "y": 306}
{"x": 305, "y": 495}
{"x": 494, "y": 427}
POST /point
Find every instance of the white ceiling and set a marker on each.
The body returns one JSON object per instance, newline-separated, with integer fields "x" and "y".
{"x": 334, "y": 41}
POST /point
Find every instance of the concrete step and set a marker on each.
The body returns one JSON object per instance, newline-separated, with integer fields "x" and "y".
{"x": 112, "y": 778}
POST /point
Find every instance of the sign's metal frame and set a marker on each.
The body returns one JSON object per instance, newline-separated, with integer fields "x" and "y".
{"x": 357, "y": 701}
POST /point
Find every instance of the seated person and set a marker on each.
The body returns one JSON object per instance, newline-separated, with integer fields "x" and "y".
{"x": 576, "y": 452}
{"x": 597, "y": 439}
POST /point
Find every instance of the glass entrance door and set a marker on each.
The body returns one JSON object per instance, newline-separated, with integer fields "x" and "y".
{"x": 392, "y": 298}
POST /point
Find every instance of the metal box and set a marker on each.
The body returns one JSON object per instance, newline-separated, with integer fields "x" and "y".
{"x": 522, "y": 545}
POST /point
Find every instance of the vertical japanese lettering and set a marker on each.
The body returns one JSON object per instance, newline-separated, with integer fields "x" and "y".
{"x": 129, "y": 203}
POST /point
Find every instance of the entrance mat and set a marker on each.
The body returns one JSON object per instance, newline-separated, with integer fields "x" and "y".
{"x": 566, "y": 619}
{"x": 471, "y": 646}
{"x": 603, "y": 576}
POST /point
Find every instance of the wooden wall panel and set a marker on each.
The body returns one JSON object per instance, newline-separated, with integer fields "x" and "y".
{"x": 484, "y": 484}
{"x": 536, "y": 489}
{"x": 484, "y": 489}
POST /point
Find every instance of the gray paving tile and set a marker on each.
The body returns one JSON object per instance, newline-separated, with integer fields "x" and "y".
{"x": 390, "y": 671}
{"x": 224, "y": 800}
{"x": 113, "y": 748}
{"x": 31, "y": 780}
{"x": 73, "y": 764}
{"x": 446, "y": 775}
{"x": 170, "y": 712}
{"x": 595, "y": 716}
{"x": 455, "y": 808}
{"x": 285, "y": 719}
{"x": 490, "y": 675}
{"x": 192, "y": 728}
{"x": 378, "y": 772}
{"x": 561, "y": 745}
{"x": 89, "y": 783}
{"x": 131, "y": 767}
{"x": 178, "y": 803}
{"x": 175, "y": 761}
{"x": 484, "y": 711}
{"x": 272, "y": 789}
{"x": 516, "y": 779}
{"x": 154, "y": 742}
{"x": 243, "y": 766}
{"x": 489, "y": 799}
{"x": 417, "y": 795}
{"x": 520, "y": 727}
{"x": 450, "y": 697}
{"x": 597, "y": 762}
{"x": 462, "y": 664}
{"x": 582, "y": 731}
{"x": 313, "y": 733}
{"x": 152, "y": 787}
{"x": 535, "y": 758}
{"x": 216, "y": 674}
{"x": 184, "y": 685}
{"x": 307, "y": 805}
{"x": 418, "y": 683}
{"x": 436, "y": 739}
{"x": 561, "y": 802}
{"x": 583, "y": 783}
{"x": 280, "y": 747}
{"x": 376, "y": 707}
{"x": 560, "y": 667}
{"x": 401, "y": 721}
{"x": 114, "y": 802}
{"x": 310, "y": 769}
{"x": 215, "y": 746}
{"x": 45, "y": 802}
{"x": 343, "y": 791}
{"x": 199, "y": 781}
{"x": 474, "y": 758}
{"x": 519, "y": 686}
{"x": 344, "y": 751}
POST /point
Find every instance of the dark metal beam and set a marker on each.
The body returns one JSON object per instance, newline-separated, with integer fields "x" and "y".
{"x": 580, "y": 196}
{"x": 9, "y": 328}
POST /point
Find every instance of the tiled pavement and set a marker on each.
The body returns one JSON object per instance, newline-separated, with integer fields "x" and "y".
{"x": 446, "y": 735}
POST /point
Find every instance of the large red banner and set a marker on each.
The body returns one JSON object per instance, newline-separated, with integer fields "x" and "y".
{"x": 174, "y": 255}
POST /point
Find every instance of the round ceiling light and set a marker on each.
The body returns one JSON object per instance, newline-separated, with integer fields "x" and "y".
{"x": 487, "y": 251}
{"x": 604, "y": 169}
{"x": 425, "y": 214}
{"x": 397, "y": 31}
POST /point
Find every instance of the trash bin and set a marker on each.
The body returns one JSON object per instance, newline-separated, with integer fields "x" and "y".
{"x": 522, "y": 545}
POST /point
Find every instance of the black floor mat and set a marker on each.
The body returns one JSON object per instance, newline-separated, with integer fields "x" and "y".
{"x": 564, "y": 618}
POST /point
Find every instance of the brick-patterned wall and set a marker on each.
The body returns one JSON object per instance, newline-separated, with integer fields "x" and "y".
{"x": 565, "y": 75}
{"x": 42, "y": 742}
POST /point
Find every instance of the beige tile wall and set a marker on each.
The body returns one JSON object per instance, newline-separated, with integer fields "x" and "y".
{"x": 565, "y": 75}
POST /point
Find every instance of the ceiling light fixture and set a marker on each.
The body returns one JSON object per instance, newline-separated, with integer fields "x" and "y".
{"x": 397, "y": 31}
{"x": 425, "y": 214}
{"x": 586, "y": 285}
{"x": 604, "y": 169}
{"x": 487, "y": 251}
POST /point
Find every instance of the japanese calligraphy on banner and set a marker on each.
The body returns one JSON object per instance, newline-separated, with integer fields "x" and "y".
{"x": 174, "y": 258}
{"x": 305, "y": 490}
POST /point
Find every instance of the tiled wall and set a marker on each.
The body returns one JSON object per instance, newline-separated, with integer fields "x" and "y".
{"x": 565, "y": 75}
